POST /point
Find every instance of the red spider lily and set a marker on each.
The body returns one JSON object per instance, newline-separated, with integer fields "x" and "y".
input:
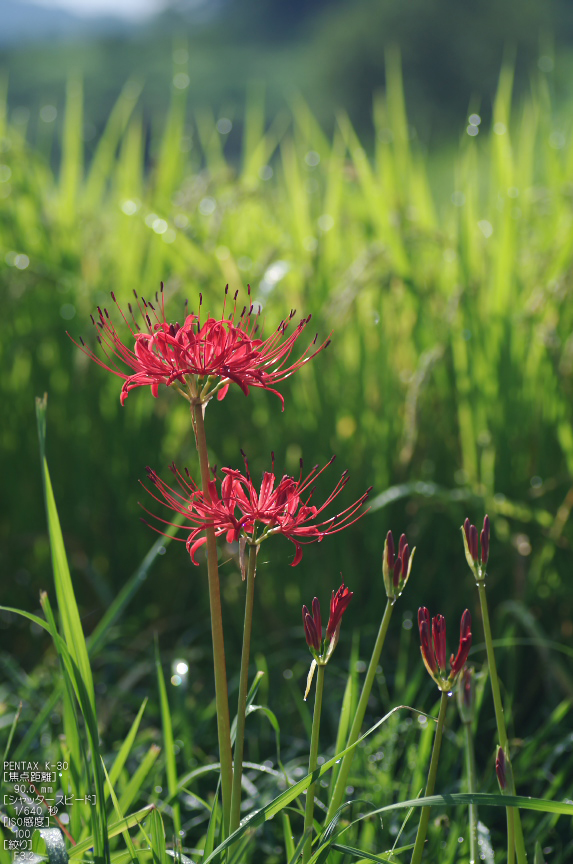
{"x": 277, "y": 508}
{"x": 217, "y": 513}
{"x": 396, "y": 568}
{"x": 476, "y": 561}
{"x": 433, "y": 647}
{"x": 338, "y": 606}
{"x": 313, "y": 624}
{"x": 201, "y": 359}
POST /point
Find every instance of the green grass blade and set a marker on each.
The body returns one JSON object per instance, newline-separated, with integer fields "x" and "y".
{"x": 55, "y": 845}
{"x": 113, "y": 829}
{"x": 97, "y": 813}
{"x": 11, "y": 733}
{"x": 299, "y": 846}
{"x": 269, "y": 811}
{"x": 288, "y": 836}
{"x": 67, "y": 606}
{"x": 29, "y": 615}
{"x": 214, "y": 824}
{"x": 125, "y": 750}
{"x": 117, "y": 808}
{"x": 486, "y": 799}
{"x": 133, "y": 788}
{"x": 368, "y": 856}
{"x": 157, "y": 837}
{"x": 104, "y": 157}
{"x": 168, "y": 743}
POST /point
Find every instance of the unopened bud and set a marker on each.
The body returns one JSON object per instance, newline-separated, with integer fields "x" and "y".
{"x": 396, "y": 568}
{"x": 484, "y": 538}
{"x": 500, "y": 768}
{"x": 472, "y": 544}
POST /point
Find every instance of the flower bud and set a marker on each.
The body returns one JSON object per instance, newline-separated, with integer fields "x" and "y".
{"x": 311, "y": 632}
{"x": 317, "y": 618}
{"x": 338, "y": 606}
{"x": 396, "y": 568}
{"x": 426, "y": 645}
{"x": 500, "y": 768}
{"x": 312, "y": 623}
{"x": 458, "y": 662}
{"x": 439, "y": 636}
{"x": 484, "y": 539}
{"x": 433, "y": 647}
{"x": 476, "y": 561}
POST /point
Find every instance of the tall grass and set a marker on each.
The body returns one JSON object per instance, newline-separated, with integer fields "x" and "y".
{"x": 449, "y": 390}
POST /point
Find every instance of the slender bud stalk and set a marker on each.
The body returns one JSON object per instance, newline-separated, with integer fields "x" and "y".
{"x": 466, "y": 704}
{"x": 221, "y": 691}
{"x": 471, "y": 783}
{"x": 513, "y": 816}
{"x": 243, "y": 690}
{"x": 312, "y": 763}
{"x": 425, "y": 815}
{"x": 346, "y": 764}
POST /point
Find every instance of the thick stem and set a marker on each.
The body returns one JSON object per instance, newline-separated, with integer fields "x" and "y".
{"x": 340, "y": 786}
{"x": 221, "y": 691}
{"x": 425, "y": 815}
{"x": 500, "y": 721}
{"x": 471, "y": 782}
{"x": 312, "y": 763}
{"x": 243, "y": 690}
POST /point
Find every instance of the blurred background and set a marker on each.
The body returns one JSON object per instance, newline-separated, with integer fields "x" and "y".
{"x": 404, "y": 172}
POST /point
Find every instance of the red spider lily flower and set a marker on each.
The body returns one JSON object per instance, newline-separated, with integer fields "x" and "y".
{"x": 439, "y": 637}
{"x": 433, "y": 647}
{"x": 200, "y": 359}
{"x": 313, "y": 624}
{"x": 476, "y": 561}
{"x": 396, "y": 568}
{"x": 458, "y": 662}
{"x": 426, "y": 646}
{"x": 218, "y": 513}
{"x": 241, "y": 509}
{"x": 338, "y": 606}
{"x": 322, "y": 651}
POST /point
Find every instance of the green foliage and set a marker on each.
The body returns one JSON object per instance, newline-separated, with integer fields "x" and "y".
{"x": 447, "y": 386}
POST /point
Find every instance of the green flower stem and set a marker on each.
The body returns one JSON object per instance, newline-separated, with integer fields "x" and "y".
{"x": 243, "y": 690}
{"x": 221, "y": 691}
{"x": 312, "y": 763}
{"x": 511, "y": 835}
{"x": 472, "y": 787}
{"x": 346, "y": 764}
{"x": 425, "y": 815}
{"x": 500, "y": 721}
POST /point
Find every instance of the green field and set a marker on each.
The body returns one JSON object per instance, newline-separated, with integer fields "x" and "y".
{"x": 445, "y": 280}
